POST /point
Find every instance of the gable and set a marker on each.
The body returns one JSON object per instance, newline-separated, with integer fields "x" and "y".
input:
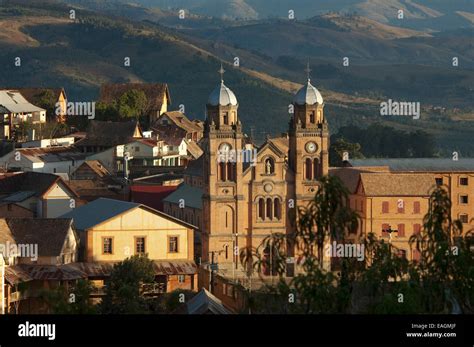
{"x": 139, "y": 218}
{"x": 59, "y": 190}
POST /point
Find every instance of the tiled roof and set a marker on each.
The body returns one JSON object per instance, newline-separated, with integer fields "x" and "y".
{"x": 194, "y": 149}
{"x": 154, "y": 92}
{"x": 48, "y": 233}
{"x": 36, "y": 182}
{"x": 192, "y": 196}
{"x": 349, "y": 176}
{"x": 397, "y": 184}
{"x": 109, "y": 134}
{"x": 181, "y": 121}
{"x": 34, "y": 95}
{"x": 419, "y": 164}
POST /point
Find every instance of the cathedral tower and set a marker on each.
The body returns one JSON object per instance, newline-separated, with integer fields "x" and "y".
{"x": 308, "y": 135}
{"x": 222, "y": 199}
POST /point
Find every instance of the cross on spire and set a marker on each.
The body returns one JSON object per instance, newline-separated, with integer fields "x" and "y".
{"x": 221, "y": 72}
{"x": 307, "y": 70}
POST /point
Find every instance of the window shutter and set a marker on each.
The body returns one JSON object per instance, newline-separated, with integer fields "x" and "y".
{"x": 401, "y": 230}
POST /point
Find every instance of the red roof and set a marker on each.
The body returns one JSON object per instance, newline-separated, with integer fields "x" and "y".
{"x": 151, "y": 196}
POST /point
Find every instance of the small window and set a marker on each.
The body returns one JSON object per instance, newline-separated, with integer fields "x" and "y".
{"x": 385, "y": 227}
{"x": 439, "y": 181}
{"x": 416, "y": 228}
{"x": 385, "y": 207}
{"x": 9, "y": 207}
{"x": 173, "y": 244}
{"x": 107, "y": 245}
{"x": 137, "y": 149}
{"x": 401, "y": 230}
{"x": 181, "y": 278}
{"x": 463, "y": 199}
{"x": 416, "y": 207}
{"x": 139, "y": 245}
{"x": 463, "y": 181}
{"x": 226, "y": 118}
{"x": 464, "y": 218}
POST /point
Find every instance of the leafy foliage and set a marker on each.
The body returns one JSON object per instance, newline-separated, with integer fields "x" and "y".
{"x": 383, "y": 282}
{"x": 60, "y": 301}
{"x": 123, "y": 293}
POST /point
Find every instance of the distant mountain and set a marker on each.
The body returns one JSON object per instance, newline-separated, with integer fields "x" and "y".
{"x": 419, "y": 14}
{"x": 386, "y": 61}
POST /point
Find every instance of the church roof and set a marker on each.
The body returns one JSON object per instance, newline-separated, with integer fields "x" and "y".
{"x": 222, "y": 96}
{"x": 418, "y": 164}
{"x": 397, "y": 184}
{"x": 308, "y": 95}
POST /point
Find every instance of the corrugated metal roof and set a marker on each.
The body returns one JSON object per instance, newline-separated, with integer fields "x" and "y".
{"x": 192, "y": 196}
{"x": 98, "y": 211}
{"x": 20, "y": 196}
{"x": 73, "y": 271}
{"x": 418, "y": 164}
{"x": 203, "y": 303}
{"x": 16, "y": 103}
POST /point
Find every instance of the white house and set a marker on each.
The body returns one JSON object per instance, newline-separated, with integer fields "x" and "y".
{"x": 58, "y": 159}
{"x": 47, "y": 195}
{"x": 15, "y": 109}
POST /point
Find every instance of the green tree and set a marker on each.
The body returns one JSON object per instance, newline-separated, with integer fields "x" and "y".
{"x": 47, "y": 100}
{"x": 445, "y": 271}
{"x": 132, "y": 104}
{"x": 61, "y": 301}
{"x": 339, "y": 147}
{"x": 124, "y": 289}
{"x": 384, "y": 282}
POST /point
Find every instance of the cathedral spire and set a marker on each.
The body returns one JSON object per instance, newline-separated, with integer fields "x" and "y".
{"x": 308, "y": 71}
{"x": 221, "y": 72}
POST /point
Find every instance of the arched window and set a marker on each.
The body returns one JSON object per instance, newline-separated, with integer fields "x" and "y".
{"x": 231, "y": 171}
{"x": 261, "y": 208}
{"x": 308, "y": 169}
{"x": 269, "y": 214}
{"x": 315, "y": 168}
{"x": 277, "y": 209}
{"x": 311, "y": 117}
{"x": 222, "y": 171}
{"x": 269, "y": 166}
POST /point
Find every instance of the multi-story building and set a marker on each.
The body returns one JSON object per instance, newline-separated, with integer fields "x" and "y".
{"x": 244, "y": 200}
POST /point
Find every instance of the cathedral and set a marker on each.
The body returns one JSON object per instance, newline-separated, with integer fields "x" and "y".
{"x": 243, "y": 201}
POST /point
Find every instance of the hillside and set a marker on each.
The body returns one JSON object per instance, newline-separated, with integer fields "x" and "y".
{"x": 81, "y": 55}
